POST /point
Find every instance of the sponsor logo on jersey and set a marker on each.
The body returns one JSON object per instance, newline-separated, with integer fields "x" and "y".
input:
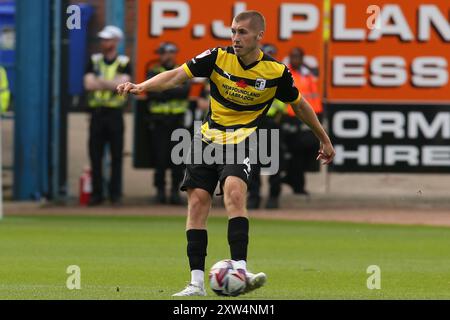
{"x": 202, "y": 55}
{"x": 242, "y": 84}
{"x": 260, "y": 84}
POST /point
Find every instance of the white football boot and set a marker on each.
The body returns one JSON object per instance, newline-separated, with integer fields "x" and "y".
{"x": 191, "y": 290}
{"x": 254, "y": 281}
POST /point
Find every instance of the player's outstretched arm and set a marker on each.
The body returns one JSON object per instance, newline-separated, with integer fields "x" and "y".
{"x": 93, "y": 83}
{"x": 161, "y": 82}
{"x": 305, "y": 113}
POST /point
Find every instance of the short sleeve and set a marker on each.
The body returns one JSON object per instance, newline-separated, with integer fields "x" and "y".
{"x": 286, "y": 91}
{"x": 202, "y": 65}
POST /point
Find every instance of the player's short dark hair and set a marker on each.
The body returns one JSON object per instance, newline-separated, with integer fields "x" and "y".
{"x": 257, "y": 20}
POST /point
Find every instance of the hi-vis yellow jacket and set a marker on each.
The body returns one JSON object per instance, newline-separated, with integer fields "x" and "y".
{"x": 107, "y": 98}
{"x": 4, "y": 90}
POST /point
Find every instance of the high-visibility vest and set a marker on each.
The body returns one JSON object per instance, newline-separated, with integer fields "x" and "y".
{"x": 107, "y": 98}
{"x": 306, "y": 83}
{"x": 169, "y": 107}
{"x": 5, "y": 94}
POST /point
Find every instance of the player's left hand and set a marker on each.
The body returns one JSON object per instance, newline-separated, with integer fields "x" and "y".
{"x": 326, "y": 153}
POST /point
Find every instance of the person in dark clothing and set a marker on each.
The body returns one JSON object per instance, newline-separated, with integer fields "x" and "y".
{"x": 270, "y": 122}
{"x": 301, "y": 144}
{"x": 167, "y": 111}
{"x": 104, "y": 72}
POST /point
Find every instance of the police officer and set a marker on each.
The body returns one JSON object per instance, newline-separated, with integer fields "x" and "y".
{"x": 270, "y": 122}
{"x": 300, "y": 142}
{"x": 105, "y": 71}
{"x": 166, "y": 113}
{"x": 4, "y": 91}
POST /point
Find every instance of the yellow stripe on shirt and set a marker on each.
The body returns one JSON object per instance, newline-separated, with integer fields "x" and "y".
{"x": 187, "y": 70}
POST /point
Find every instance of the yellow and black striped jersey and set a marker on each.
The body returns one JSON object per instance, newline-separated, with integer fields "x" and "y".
{"x": 240, "y": 94}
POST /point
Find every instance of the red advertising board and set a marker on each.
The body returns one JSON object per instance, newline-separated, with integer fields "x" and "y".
{"x": 196, "y": 25}
{"x": 396, "y": 52}
{"x": 400, "y": 54}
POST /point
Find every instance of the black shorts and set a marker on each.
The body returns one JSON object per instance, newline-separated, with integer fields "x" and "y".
{"x": 204, "y": 172}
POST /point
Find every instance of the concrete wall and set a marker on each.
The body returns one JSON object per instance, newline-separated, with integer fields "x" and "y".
{"x": 7, "y": 142}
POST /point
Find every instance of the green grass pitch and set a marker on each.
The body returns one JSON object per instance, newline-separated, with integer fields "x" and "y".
{"x": 144, "y": 258}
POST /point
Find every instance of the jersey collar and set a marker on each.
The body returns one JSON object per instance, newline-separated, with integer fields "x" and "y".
{"x": 251, "y": 65}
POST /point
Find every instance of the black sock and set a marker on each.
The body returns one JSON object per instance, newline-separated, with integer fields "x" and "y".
{"x": 238, "y": 238}
{"x": 196, "y": 248}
